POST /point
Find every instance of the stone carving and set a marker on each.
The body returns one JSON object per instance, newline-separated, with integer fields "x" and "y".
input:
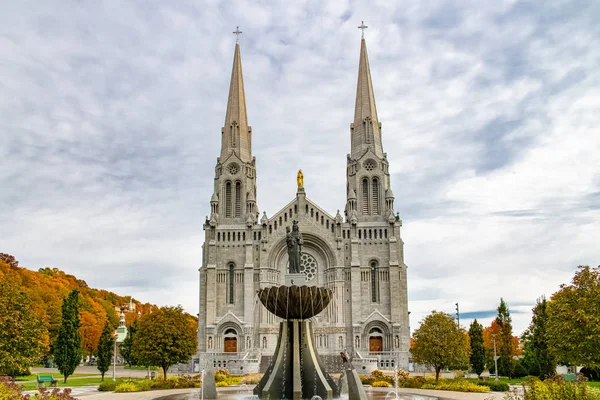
{"x": 338, "y": 218}
{"x": 264, "y": 220}
{"x": 294, "y": 243}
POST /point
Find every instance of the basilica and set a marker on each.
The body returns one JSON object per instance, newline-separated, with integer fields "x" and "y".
{"x": 358, "y": 254}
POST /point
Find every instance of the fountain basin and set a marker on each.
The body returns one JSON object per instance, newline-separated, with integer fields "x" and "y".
{"x": 295, "y": 302}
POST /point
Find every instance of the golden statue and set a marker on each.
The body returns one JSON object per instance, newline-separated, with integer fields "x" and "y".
{"x": 300, "y": 179}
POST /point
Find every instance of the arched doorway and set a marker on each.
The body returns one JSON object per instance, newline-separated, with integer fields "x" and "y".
{"x": 375, "y": 340}
{"x": 230, "y": 341}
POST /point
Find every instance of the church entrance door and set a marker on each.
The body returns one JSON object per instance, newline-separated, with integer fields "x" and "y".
{"x": 375, "y": 343}
{"x": 230, "y": 345}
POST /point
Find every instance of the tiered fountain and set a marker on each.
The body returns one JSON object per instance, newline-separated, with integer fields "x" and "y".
{"x": 296, "y": 371}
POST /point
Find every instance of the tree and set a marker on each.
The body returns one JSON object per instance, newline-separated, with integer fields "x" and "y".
{"x": 164, "y": 338}
{"x": 105, "y": 349}
{"x": 440, "y": 343}
{"x": 67, "y": 350}
{"x": 127, "y": 346}
{"x": 90, "y": 331}
{"x": 23, "y": 336}
{"x": 574, "y": 318}
{"x": 537, "y": 358}
{"x": 506, "y": 364}
{"x": 9, "y": 259}
{"x": 478, "y": 352}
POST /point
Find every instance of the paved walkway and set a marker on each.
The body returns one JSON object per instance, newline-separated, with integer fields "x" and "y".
{"x": 235, "y": 392}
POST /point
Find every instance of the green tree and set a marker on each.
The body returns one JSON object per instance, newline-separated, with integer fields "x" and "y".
{"x": 537, "y": 358}
{"x": 67, "y": 350}
{"x": 105, "y": 349}
{"x": 127, "y": 346}
{"x": 440, "y": 343}
{"x": 164, "y": 338}
{"x": 574, "y": 318}
{"x": 478, "y": 351}
{"x": 23, "y": 336}
{"x": 506, "y": 363}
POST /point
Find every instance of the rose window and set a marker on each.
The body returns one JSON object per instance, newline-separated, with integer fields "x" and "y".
{"x": 308, "y": 266}
{"x": 233, "y": 169}
{"x": 369, "y": 165}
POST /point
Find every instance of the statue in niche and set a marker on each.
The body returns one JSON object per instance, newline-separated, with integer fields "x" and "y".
{"x": 294, "y": 246}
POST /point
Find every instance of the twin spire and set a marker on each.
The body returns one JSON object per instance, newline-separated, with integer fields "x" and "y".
{"x": 236, "y": 134}
{"x": 366, "y": 131}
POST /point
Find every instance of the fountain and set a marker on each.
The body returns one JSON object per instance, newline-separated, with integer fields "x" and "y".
{"x": 296, "y": 371}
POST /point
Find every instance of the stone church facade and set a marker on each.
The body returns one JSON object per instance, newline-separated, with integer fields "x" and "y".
{"x": 358, "y": 253}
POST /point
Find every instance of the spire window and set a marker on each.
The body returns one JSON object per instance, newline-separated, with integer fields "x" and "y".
{"x": 374, "y": 282}
{"x": 238, "y": 199}
{"x": 228, "y": 205}
{"x": 365, "y": 197}
{"x": 231, "y": 283}
{"x": 375, "y": 196}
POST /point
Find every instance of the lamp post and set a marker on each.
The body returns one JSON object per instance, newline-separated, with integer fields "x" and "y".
{"x": 495, "y": 357}
{"x": 115, "y": 357}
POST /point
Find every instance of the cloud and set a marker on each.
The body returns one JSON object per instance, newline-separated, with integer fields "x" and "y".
{"x": 111, "y": 116}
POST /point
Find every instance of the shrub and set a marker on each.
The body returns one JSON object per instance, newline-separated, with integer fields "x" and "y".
{"x": 143, "y": 385}
{"x": 413, "y": 383}
{"x": 234, "y": 380}
{"x": 163, "y": 384}
{"x": 222, "y": 384}
{"x": 557, "y": 389}
{"x": 107, "y": 386}
{"x": 251, "y": 379}
{"x": 219, "y": 377}
{"x": 458, "y": 385}
{"x": 380, "y": 384}
{"x": 376, "y": 376}
{"x": 495, "y": 386}
{"x": 126, "y": 387}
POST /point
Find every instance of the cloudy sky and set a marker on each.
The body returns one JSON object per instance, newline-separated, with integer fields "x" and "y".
{"x": 110, "y": 118}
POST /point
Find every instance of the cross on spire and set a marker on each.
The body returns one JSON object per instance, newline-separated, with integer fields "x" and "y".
{"x": 237, "y": 34}
{"x": 362, "y": 27}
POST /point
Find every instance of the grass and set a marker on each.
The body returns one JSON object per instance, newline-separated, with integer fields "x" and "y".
{"x": 70, "y": 382}
{"x": 54, "y": 375}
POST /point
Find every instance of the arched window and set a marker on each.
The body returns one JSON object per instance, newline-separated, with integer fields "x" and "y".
{"x": 231, "y": 283}
{"x": 375, "y": 196}
{"x": 228, "y": 199}
{"x": 365, "y": 196}
{"x": 374, "y": 283}
{"x": 238, "y": 199}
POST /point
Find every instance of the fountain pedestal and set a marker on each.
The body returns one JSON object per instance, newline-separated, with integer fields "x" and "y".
{"x": 296, "y": 371}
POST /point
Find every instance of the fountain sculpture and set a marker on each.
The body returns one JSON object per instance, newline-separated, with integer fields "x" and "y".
{"x": 296, "y": 371}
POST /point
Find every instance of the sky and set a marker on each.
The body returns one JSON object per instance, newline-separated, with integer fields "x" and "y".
{"x": 110, "y": 119}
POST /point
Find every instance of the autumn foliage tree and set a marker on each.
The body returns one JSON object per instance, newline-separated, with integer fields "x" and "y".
{"x": 440, "y": 343}
{"x": 23, "y": 338}
{"x": 165, "y": 337}
{"x": 46, "y": 289}
{"x": 574, "y": 320}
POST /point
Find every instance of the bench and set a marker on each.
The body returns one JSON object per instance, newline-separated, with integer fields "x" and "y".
{"x": 43, "y": 379}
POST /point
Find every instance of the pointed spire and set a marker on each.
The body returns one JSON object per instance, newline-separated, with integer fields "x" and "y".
{"x": 236, "y": 132}
{"x": 366, "y": 132}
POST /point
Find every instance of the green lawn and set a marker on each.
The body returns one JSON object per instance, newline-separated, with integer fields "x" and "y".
{"x": 54, "y": 374}
{"x": 75, "y": 382}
